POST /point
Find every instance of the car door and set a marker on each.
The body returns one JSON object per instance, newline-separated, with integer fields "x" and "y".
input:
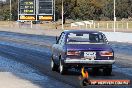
{"x": 61, "y": 46}
{"x": 57, "y": 48}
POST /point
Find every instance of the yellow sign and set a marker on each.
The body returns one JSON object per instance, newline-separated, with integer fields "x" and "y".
{"x": 28, "y": 3}
{"x": 45, "y": 17}
{"x": 27, "y": 17}
{"x": 28, "y": 11}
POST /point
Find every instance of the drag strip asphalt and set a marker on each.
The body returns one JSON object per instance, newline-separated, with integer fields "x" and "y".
{"x": 38, "y": 56}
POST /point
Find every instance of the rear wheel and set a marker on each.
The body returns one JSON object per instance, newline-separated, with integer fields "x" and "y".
{"x": 107, "y": 70}
{"x": 54, "y": 67}
{"x": 62, "y": 69}
{"x": 95, "y": 70}
{"x": 84, "y": 82}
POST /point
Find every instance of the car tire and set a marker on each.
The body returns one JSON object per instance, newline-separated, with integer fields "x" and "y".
{"x": 84, "y": 82}
{"x": 95, "y": 70}
{"x": 54, "y": 67}
{"x": 107, "y": 71}
{"x": 62, "y": 69}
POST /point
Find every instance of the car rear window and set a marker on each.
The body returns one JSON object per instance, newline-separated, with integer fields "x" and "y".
{"x": 85, "y": 38}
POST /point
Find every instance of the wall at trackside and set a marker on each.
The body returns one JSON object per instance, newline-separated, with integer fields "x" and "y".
{"x": 119, "y": 36}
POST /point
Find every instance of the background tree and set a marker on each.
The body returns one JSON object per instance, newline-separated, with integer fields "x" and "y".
{"x": 69, "y": 6}
{"x": 79, "y": 9}
{"x": 5, "y": 10}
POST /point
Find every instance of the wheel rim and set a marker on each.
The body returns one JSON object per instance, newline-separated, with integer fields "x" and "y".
{"x": 61, "y": 67}
{"x": 52, "y": 63}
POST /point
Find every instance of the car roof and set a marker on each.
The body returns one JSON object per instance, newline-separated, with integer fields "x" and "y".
{"x": 81, "y": 31}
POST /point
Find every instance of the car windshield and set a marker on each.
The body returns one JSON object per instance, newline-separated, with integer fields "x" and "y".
{"x": 85, "y": 38}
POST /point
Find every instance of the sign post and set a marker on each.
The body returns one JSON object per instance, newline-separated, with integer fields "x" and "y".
{"x": 114, "y": 17}
{"x": 10, "y": 13}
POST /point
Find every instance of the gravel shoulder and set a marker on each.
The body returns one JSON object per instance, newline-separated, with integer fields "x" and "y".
{"x": 14, "y": 74}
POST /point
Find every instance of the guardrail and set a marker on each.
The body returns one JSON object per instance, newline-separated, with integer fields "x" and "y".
{"x": 103, "y": 24}
{"x": 82, "y": 23}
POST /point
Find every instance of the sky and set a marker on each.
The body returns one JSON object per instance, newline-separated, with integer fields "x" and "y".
{"x": 2, "y": 0}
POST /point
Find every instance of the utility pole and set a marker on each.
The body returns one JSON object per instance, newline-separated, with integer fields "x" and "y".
{"x": 36, "y": 9}
{"x": 114, "y": 17}
{"x": 10, "y": 11}
{"x": 54, "y": 10}
{"x": 62, "y": 14}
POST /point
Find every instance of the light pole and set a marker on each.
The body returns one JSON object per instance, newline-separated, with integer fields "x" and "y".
{"x": 62, "y": 14}
{"x": 114, "y": 16}
{"x": 54, "y": 10}
{"x": 10, "y": 11}
{"x": 36, "y": 9}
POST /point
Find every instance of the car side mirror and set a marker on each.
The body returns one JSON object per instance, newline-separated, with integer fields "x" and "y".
{"x": 56, "y": 39}
{"x": 108, "y": 43}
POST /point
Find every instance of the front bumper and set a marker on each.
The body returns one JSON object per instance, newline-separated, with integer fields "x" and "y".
{"x": 78, "y": 61}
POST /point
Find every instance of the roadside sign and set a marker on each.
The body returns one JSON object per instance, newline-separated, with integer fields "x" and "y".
{"x": 27, "y": 6}
{"x": 45, "y": 10}
{"x": 45, "y": 7}
{"x": 31, "y": 10}
{"x": 27, "y": 17}
{"x": 46, "y": 18}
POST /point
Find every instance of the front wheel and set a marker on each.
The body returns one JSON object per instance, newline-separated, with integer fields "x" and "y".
{"x": 54, "y": 67}
{"x": 62, "y": 69}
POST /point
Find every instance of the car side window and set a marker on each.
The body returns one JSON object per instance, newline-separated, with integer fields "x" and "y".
{"x": 58, "y": 40}
{"x": 105, "y": 39}
{"x": 62, "y": 39}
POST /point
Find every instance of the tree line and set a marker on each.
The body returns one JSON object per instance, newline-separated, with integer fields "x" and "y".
{"x": 79, "y": 9}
